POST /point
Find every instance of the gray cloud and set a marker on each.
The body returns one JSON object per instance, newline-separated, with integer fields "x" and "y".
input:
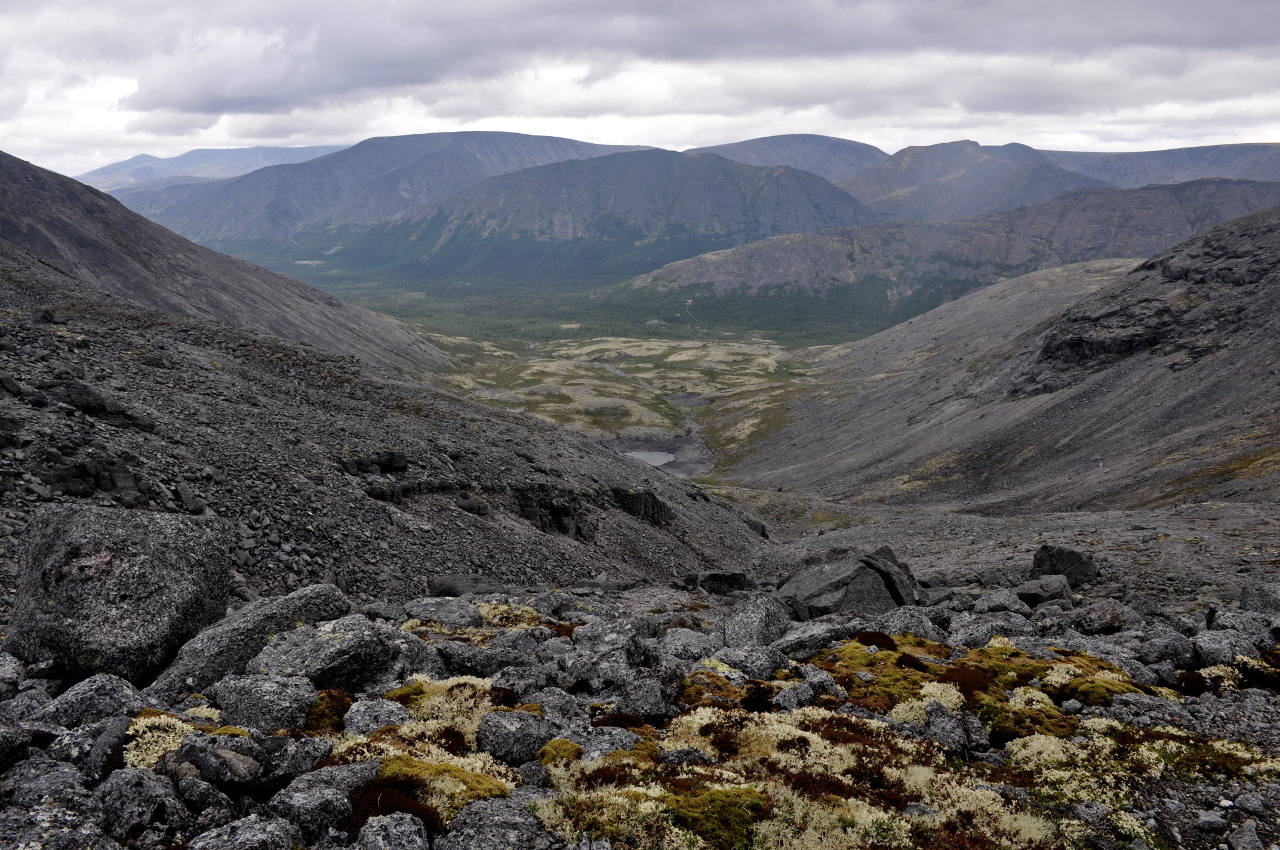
{"x": 299, "y": 70}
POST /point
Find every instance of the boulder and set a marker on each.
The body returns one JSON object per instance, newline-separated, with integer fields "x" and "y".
{"x": 48, "y": 826}
{"x": 1078, "y": 567}
{"x": 688, "y": 644}
{"x": 1264, "y": 598}
{"x": 96, "y": 698}
{"x": 448, "y": 611}
{"x": 135, "y": 801}
{"x": 1106, "y": 618}
{"x": 1000, "y": 600}
{"x": 266, "y": 703}
{"x": 322, "y": 799}
{"x": 398, "y": 831}
{"x": 116, "y": 591}
{"x": 514, "y": 737}
{"x": 252, "y": 833}
{"x": 756, "y": 662}
{"x": 912, "y": 620}
{"x": 498, "y": 824}
{"x": 756, "y": 621}
{"x": 366, "y": 715}
{"x": 864, "y": 585}
{"x": 717, "y": 582}
{"x": 1049, "y": 588}
{"x": 230, "y": 761}
{"x": 1221, "y": 647}
{"x": 227, "y": 646}
{"x": 340, "y": 653}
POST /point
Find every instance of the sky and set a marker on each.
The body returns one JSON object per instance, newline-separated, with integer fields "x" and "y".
{"x": 83, "y": 84}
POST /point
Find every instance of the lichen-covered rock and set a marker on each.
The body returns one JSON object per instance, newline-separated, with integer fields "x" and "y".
{"x": 912, "y": 620}
{"x": 514, "y": 737}
{"x": 341, "y": 653}
{"x": 1105, "y": 618}
{"x": 448, "y": 611}
{"x": 1000, "y": 600}
{"x": 498, "y": 824}
{"x": 48, "y": 826}
{"x": 227, "y": 761}
{"x": 1214, "y": 648}
{"x": 366, "y": 715}
{"x": 135, "y": 801}
{"x": 227, "y": 646}
{"x": 756, "y": 621}
{"x": 1048, "y": 588}
{"x": 266, "y": 703}
{"x": 10, "y": 676}
{"x": 318, "y": 800}
{"x": 861, "y": 585}
{"x": 756, "y": 662}
{"x": 688, "y": 644}
{"x": 1078, "y": 567}
{"x": 252, "y": 833}
{"x": 96, "y": 698}
{"x": 30, "y": 782}
{"x": 398, "y": 831}
{"x": 116, "y": 591}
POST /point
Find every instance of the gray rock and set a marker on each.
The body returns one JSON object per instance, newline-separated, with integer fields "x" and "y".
{"x": 756, "y": 621}
{"x": 1167, "y": 646}
{"x": 947, "y": 728}
{"x": 446, "y": 610}
{"x": 321, "y": 799}
{"x": 252, "y": 833}
{"x": 48, "y": 826}
{"x": 340, "y": 653}
{"x": 228, "y": 645}
{"x": 229, "y": 761}
{"x": 514, "y": 737}
{"x": 1221, "y": 647}
{"x": 1078, "y": 567}
{"x": 1257, "y": 627}
{"x": 908, "y": 620}
{"x": 30, "y": 782}
{"x": 1000, "y": 600}
{"x": 116, "y": 591}
{"x": 974, "y": 630}
{"x": 757, "y": 662}
{"x": 1105, "y": 618}
{"x": 598, "y": 742}
{"x": 398, "y": 831}
{"x": 96, "y": 698}
{"x": 136, "y": 800}
{"x": 865, "y": 585}
{"x": 13, "y": 745}
{"x": 498, "y": 824}
{"x": 366, "y": 715}
{"x": 266, "y": 703}
{"x": 806, "y": 639}
{"x": 1047, "y": 588}
{"x": 1212, "y": 821}
{"x": 1245, "y": 837}
{"x": 688, "y": 644}
{"x": 10, "y": 676}
{"x": 1264, "y": 598}
{"x": 1252, "y": 804}
{"x": 718, "y": 582}
{"x": 794, "y": 696}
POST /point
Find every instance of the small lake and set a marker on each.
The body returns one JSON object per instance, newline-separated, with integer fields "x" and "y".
{"x": 652, "y": 458}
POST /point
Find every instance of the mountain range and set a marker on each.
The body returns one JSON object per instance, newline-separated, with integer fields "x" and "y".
{"x": 196, "y": 165}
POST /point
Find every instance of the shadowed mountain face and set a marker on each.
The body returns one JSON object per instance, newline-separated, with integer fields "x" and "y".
{"x": 601, "y": 219}
{"x": 828, "y": 157}
{"x": 1142, "y": 168}
{"x": 82, "y": 234}
{"x": 959, "y": 179}
{"x": 206, "y": 164}
{"x": 872, "y": 277}
{"x": 372, "y": 181}
{"x": 1157, "y": 385}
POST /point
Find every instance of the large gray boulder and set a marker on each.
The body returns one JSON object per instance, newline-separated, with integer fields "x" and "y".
{"x": 396, "y": 831}
{"x": 862, "y": 585}
{"x": 341, "y": 653}
{"x": 227, "y": 646}
{"x": 498, "y": 824}
{"x": 322, "y": 799}
{"x": 1078, "y": 567}
{"x": 266, "y": 703}
{"x": 756, "y": 621}
{"x": 514, "y": 737}
{"x": 114, "y": 591}
{"x": 135, "y": 801}
{"x": 96, "y": 698}
{"x": 252, "y": 833}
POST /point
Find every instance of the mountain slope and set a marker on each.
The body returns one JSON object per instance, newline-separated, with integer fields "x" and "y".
{"x": 1178, "y": 165}
{"x": 202, "y": 163}
{"x": 372, "y": 181}
{"x": 86, "y": 235}
{"x": 838, "y": 285}
{"x": 1157, "y": 385}
{"x": 600, "y": 219}
{"x": 959, "y": 179}
{"x": 826, "y": 156}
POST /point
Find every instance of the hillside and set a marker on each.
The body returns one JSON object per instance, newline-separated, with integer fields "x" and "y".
{"x": 826, "y": 156}
{"x": 78, "y": 232}
{"x": 600, "y": 219}
{"x": 203, "y": 163}
{"x": 1156, "y": 386}
{"x": 961, "y": 179}
{"x": 838, "y": 285}
{"x": 1177, "y": 165}
{"x": 372, "y": 181}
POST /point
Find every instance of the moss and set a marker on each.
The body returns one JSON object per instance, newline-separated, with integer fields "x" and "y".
{"x": 238, "y": 731}
{"x": 703, "y": 687}
{"x": 476, "y": 786}
{"x": 1093, "y": 690}
{"x": 326, "y": 713}
{"x": 724, "y": 818}
{"x": 559, "y": 750}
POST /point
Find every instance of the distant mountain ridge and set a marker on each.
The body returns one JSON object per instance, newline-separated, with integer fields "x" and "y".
{"x": 1177, "y": 165}
{"x": 206, "y": 163}
{"x": 962, "y": 179}
{"x": 602, "y": 218}
{"x": 861, "y": 280}
{"x": 828, "y": 157}
{"x": 52, "y": 221}
{"x": 367, "y": 183}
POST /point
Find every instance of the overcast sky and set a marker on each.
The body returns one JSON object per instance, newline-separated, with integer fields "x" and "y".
{"x": 87, "y": 83}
